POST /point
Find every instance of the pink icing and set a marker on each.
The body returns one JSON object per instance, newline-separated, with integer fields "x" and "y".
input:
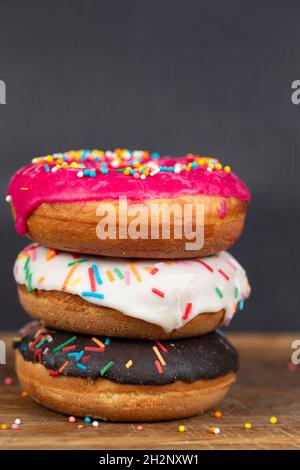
{"x": 64, "y": 186}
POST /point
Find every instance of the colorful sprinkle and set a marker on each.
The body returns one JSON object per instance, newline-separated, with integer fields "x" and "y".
{"x": 204, "y": 264}
{"x": 187, "y": 311}
{"x": 82, "y": 260}
{"x": 66, "y": 343}
{"x": 69, "y": 275}
{"x": 106, "y": 368}
{"x": 98, "y": 342}
{"x": 119, "y": 273}
{"x": 92, "y": 279}
{"x": 135, "y": 272}
{"x": 218, "y": 291}
{"x": 158, "y": 292}
{"x": 63, "y": 367}
{"x": 161, "y": 346}
{"x": 93, "y": 294}
{"x": 159, "y": 356}
{"x": 181, "y": 428}
{"x": 224, "y": 274}
{"x": 158, "y": 366}
{"x": 128, "y": 364}
{"x": 110, "y": 276}
{"x": 97, "y": 274}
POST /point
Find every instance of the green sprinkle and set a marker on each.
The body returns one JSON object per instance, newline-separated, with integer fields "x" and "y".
{"x": 43, "y": 340}
{"x": 82, "y": 260}
{"x": 219, "y": 293}
{"x": 119, "y": 273}
{"x": 27, "y": 263}
{"x": 236, "y": 291}
{"x": 106, "y": 368}
{"x": 29, "y": 286}
{"x": 58, "y": 348}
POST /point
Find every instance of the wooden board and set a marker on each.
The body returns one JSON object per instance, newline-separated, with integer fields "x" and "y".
{"x": 265, "y": 387}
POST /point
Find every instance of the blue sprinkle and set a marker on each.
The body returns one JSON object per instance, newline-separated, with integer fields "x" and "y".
{"x": 81, "y": 366}
{"x": 155, "y": 155}
{"x": 87, "y": 419}
{"x": 97, "y": 274}
{"x": 194, "y": 165}
{"x": 76, "y": 355}
{"x": 92, "y": 173}
{"x": 86, "y": 172}
{"x": 47, "y": 167}
{"x": 93, "y": 294}
{"x": 104, "y": 171}
{"x": 241, "y": 304}
{"x": 107, "y": 341}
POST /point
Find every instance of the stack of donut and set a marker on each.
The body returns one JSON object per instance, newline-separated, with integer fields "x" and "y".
{"x": 123, "y": 327}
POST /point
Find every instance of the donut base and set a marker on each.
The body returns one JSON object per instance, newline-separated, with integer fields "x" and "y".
{"x": 107, "y": 400}
{"x": 64, "y": 311}
{"x": 72, "y": 227}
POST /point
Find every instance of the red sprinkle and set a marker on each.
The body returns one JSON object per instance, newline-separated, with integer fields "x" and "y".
{"x": 85, "y": 358}
{"x": 158, "y": 366}
{"x": 154, "y": 271}
{"x": 161, "y": 346}
{"x": 92, "y": 280}
{"x": 94, "y": 348}
{"x": 54, "y": 373}
{"x": 158, "y": 292}
{"x": 36, "y": 341}
{"x": 204, "y": 264}
{"x": 187, "y": 311}
{"x": 69, "y": 348}
{"x": 224, "y": 274}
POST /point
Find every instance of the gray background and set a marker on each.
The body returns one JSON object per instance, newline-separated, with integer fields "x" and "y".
{"x": 212, "y": 77}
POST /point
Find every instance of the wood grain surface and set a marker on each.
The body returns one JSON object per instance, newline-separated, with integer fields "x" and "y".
{"x": 266, "y": 387}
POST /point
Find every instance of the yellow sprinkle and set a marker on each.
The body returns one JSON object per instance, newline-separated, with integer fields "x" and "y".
{"x": 273, "y": 420}
{"x": 49, "y": 158}
{"x": 148, "y": 268}
{"x": 128, "y": 364}
{"x": 181, "y": 428}
{"x": 248, "y": 425}
{"x": 3, "y": 427}
{"x": 98, "y": 342}
{"x": 135, "y": 272}
{"x": 24, "y": 189}
{"x": 78, "y": 279}
{"x": 227, "y": 169}
{"x": 218, "y": 166}
{"x": 160, "y": 358}
{"x": 110, "y": 276}
{"x": 41, "y": 279}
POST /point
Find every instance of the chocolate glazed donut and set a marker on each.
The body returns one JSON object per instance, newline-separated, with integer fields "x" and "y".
{"x": 121, "y": 379}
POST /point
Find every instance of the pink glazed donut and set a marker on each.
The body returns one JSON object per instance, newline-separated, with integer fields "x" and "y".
{"x": 129, "y": 204}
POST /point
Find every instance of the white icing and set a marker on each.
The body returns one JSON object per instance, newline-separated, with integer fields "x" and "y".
{"x": 181, "y": 281}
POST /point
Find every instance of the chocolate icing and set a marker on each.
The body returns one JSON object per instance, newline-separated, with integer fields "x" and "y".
{"x": 205, "y": 357}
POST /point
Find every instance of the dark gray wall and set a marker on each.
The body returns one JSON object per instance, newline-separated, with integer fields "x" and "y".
{"x": 173, "y": 76}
